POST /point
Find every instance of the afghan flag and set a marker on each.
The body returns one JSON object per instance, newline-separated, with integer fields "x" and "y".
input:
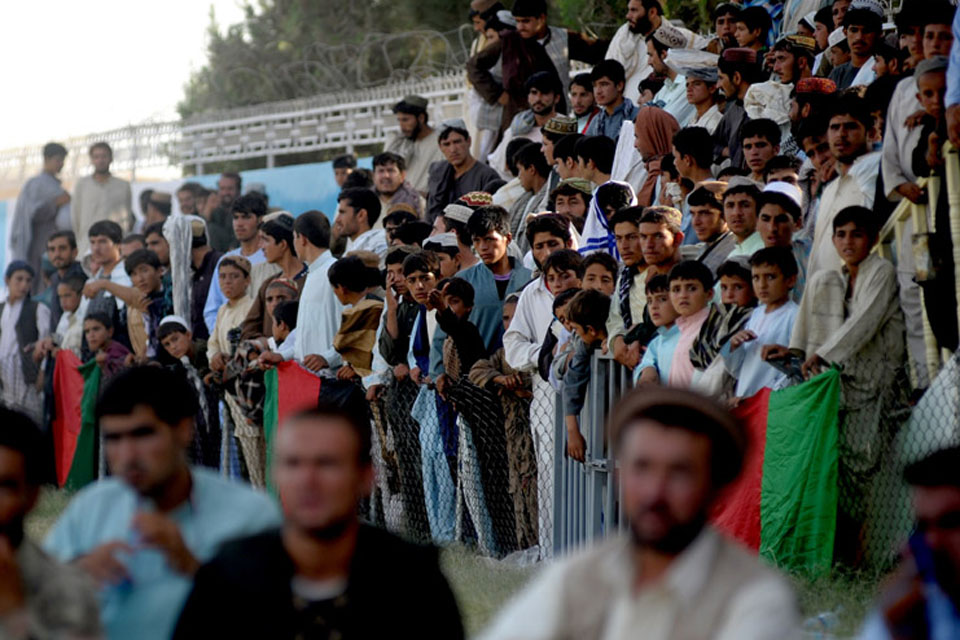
{"x": 288, "y": 388}
{"x": 75, "y": 389}
{"x": 784, "y": 505}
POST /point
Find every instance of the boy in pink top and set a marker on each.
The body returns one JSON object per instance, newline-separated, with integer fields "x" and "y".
{"x": 691, "y": 291}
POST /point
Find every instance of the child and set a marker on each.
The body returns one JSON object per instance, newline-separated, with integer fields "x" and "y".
{"x": 588, "y": 317}
{"x": 774, "y": 275}
{"x": 23, "y": 322}
{"x": 284, "y": 328}
{"x": 190, "y": 357}
{"x": 779, "y": 217}
{"x": 691, "y": 290}
{"x": 352, "y": 279}
{"x": 557, "y": 341}
{"x": 111, "y": 356}
{"x": 736, "y": 283}
{"x": 563, "y": 270}
{"x": 600, "y": 273}
{"x": 931, "y": 80}
{"x": 514, "y": 390}
{"x": 453, "y": 300}
{"x": 234, "y": 279}
{"x": 69, "y": 331}
{"x": 655, "y": 365}
{"x": 143, "y": 267}
{"x": 447, "y": 250}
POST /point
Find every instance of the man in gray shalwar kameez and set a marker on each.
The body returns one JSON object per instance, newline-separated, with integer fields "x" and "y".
{"x": 38, "y": 205}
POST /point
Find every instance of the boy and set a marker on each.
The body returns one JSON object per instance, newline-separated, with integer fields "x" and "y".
{"x": 111, "y": 356}
{"x": 737, "y": 70}
{"x": 513, "y": 389}
{"x": 736, "y": 280}
{"x": 284, "y": 327}
{"x": 600, "y": 273}
{"x": 453, "y": 300}
{"x": 691, "y": 290}
{"x": 546, "y": 234}
{"x": 774, "y": 272}
{"x": 714, "y": 240}
{"x": 587, "y": 316}
{"x": 778, "y": 221}
{"x": 740, "y": 214}
{"x": 760, "y": 140}
{"x": 233, "y": 276}
{"x": 144, "y": 268}
{"x": 447, "y": 250}
{"x": 655, "y": 365}
{"x": 931, "y": 79}
{"x": 352, "y": 279}
{"x": 557, "y": 341}
{"x": 23, "y": 322}
{"x": 69, "y": 330}
{"x": 751, "y": 27}
{"x": 563, "y": 270}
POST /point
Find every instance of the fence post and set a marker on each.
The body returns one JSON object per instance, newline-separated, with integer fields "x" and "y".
{"x": 953, "y": 200}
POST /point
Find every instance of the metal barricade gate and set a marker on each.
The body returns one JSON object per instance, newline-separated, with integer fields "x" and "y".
{"x": 586, "y": 495}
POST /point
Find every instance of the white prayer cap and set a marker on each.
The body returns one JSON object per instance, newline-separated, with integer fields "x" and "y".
{"x": 836, "y": 37}
{"x": 446, "y": 240}
{"x": 457, "y": 212}
{"x": 785, "y": 188}
{"x": 174, "y": 319}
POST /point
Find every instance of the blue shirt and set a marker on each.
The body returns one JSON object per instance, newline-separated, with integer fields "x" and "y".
{"x": 215, "y": 297}
{"x": 609, "y": 124}
{"x": 659, "y": 353}
{"x": 953, "y": 70}
{"x": 147, "y": 605}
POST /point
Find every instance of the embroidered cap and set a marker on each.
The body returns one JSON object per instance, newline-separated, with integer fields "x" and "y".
{"x": 457, "y": 212}
{"x": 561, "y": 124}
{"x": 739, "y": 54}
{"x": 670, "y": 36}
{"x": 817, "y": 86}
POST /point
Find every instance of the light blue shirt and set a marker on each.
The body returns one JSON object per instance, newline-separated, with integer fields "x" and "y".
{"x": 215, "y": 297}
{"x": 953, "y": 70}
{"x": 147, "y": 605}
{"x": 672, "y": 98}
{"x": 659, "y": 353}
{"x": 318, "y": 317}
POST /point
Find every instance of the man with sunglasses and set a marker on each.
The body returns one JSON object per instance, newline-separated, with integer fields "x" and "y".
{"x": 143, "y": 532}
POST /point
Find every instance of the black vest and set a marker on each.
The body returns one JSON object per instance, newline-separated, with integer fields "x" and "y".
{"x": 27, "y": 334}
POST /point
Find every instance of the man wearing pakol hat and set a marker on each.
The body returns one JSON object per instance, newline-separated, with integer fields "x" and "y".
{"x": 672, "y": 574}
{"x": 417, "y": 141}
{"x": 862, "y": 24}
{"x": 615, "y": 109}
{"x": 544, "y": 97}
{"x": 557, "y": 128}
{"x": 100, "y": 196}
{"x": 792, "y": 61}
{"x": 533, "y": 47}
{"x": 459, "y": 173}
{"x": 702, "y": 95}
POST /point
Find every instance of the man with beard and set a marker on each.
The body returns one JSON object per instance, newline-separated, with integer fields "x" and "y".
{"x": 459, "y": 173}
{"x": 39, "y": 597}
{"x": 863, "y": 24}
{"x": 62, "y": 254}
{"x": 390, "y": 180}
{"x": 532, "y": 48}
{"x": 101, "y": 196}
{"x": 323, "y": 574}
{"x": 628, "y": 48}
{"x": 582, "y": 104}
{"x": 673, "y": 575}
{"x": 544, "y": 94}
{"x": 143, "y": 532}
{"x": 922, "y": 597}
{"x": 417, "y": 142}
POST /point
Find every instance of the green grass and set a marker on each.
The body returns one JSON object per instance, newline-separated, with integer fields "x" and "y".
{"x": 483, "y": 585}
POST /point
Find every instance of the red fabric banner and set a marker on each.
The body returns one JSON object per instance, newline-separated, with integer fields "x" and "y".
{"x": 68, "y": 394}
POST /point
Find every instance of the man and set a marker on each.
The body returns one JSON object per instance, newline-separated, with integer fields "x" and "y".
{"x": 39, "y": 597}
{"x": 863, "y": 24}
{"x": 343, "y": 166}
{"x": 650, "y": 236}
{"x": 154, "y": 241}
{"x": 740, "y": 214}
{"x": 189, "y": 195}
{"x": 247, "y": 212}
{"x": 570, "y": 200}
{"x": 595, "y": 158}
{"x": 459, "y": 173}
{"x": 101, "y": 196}
{"x": 608, "y": 84}
{"x": 533, "y": 173}
{"x": 714, "y": 240}
{"x": 38, "y": 206}
{"x": 737, "y": 70}
{"x": 318, "y": 317}
{"x": 104, "y": 238}
{"x": 793, "y": 58}
{"x": 544, "y": 93}
{"x": 203, "y": 267}
{"x": 812, "y": 135}
{"x": 159, "y": 207}
{"x": 323, "y": 574}
{"x": 674, "y": 575}
{"x": 702, "y": 95}
{"x": 132, "y": 242}
{"x": 532, "y": 47}
{"x": 156, "y": 519}
{"x": 760, "y": 140}
{"x": 857, "y": 171}
{"x": 62, "y": 254}
{"x": 672, "y": 98}
{"x": 219, "y": 212}
{"x": 627, "y": 46}
{"x": 358, "y": 211}
{"x": 390, "y": 180}
{"x": 921, "y": 598}
{"x": 557, "y": 128}
{"x": 693, "y": 155}
{"x": 417, "y": 142}
{"x": 582, "y": 104}
{"x": 810, "y": 96}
